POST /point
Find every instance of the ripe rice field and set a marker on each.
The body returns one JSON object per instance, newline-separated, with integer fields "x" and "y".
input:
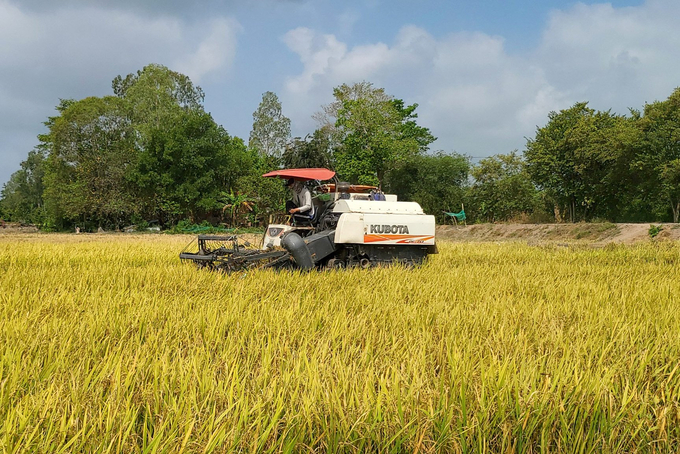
{"x": 109, "y": 344}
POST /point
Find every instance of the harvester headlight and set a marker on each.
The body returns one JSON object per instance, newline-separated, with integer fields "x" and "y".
{"x": 274, "y": 231}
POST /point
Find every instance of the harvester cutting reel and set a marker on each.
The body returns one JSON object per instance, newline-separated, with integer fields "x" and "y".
{"x": 228, "y": 253}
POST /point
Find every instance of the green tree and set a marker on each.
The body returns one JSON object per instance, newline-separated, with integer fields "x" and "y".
{"x": 311, "y": 152}
{"x": 236, "y": 204}
{"x": 268, "y": 193}
{"x": 670, "y": 185}
{"x": 271, "y": 129}
{"x": 551, "y": 157}
{"x": 438, "y": 182}
{"x": 151, "y": 151}
{"x": 182, "y": 171}
{"x": 409, "y": 129}
{"x": 502, "y": 188}
{"x": 372, "y": 131}
{"x": 659, "y": 158}
{"x": 580, "y": 159}
{"x": 184, "y": 159}
{"x": 156, "y": 95}
{"x": 91, "y": 149}
{"x": 22, "y": 195}
{"x": 328, "y": 115}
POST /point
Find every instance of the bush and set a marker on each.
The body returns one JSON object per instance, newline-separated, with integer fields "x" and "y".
{"x": 186, "y": 226}
{"x": 654, "y": 230}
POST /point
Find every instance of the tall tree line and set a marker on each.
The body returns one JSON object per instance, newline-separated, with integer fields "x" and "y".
{"x": 147, "y": 152}
{"x": 150, "y": 152}
{"x": 598, "y": 165}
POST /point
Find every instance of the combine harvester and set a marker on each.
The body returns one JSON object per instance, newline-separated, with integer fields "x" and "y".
{"x": 353, "y": 226}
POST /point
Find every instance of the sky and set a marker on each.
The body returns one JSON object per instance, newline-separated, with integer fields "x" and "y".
{"x": 485, "y": 73}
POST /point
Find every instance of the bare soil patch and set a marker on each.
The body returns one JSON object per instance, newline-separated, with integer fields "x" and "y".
{"x": 15, "y": 227}
{"x": 596, "y": 234}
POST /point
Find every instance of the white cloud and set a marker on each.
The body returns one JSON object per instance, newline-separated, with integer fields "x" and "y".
{"x": 317, "y": 53}
{"x": 347, "y": 20}
{"x": 87, "y": 42}
{"x": 614, "y": 57}
{"x": 76, "y": 52}
{"x": 471, "y": 93}
{"x": 215, "y": 52}
{"x": 481, "y": 99}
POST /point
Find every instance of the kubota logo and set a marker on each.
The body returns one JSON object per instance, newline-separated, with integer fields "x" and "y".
{"x": 376, "y": 228}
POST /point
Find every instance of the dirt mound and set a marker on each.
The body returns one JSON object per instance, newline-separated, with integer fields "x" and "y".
{"x": 15, "y": 227}
{"x": 594, "y": 233}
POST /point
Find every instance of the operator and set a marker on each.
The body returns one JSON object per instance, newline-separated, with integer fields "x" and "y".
{"x": 301, "y": 206}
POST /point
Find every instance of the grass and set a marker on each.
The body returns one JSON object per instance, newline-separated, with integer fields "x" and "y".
{"x": 110, "y": 344}
{"x": 595, "y": 230}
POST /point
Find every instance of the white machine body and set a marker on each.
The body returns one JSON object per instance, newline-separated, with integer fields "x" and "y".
{"x": 383, "y": 223}
{"x": 364, "y": 221}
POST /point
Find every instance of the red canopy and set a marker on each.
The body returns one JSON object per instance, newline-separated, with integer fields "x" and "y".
{"x": 302, "y": 174}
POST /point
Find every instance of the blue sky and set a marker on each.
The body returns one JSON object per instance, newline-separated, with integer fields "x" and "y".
{"x": 484, "y": 73}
